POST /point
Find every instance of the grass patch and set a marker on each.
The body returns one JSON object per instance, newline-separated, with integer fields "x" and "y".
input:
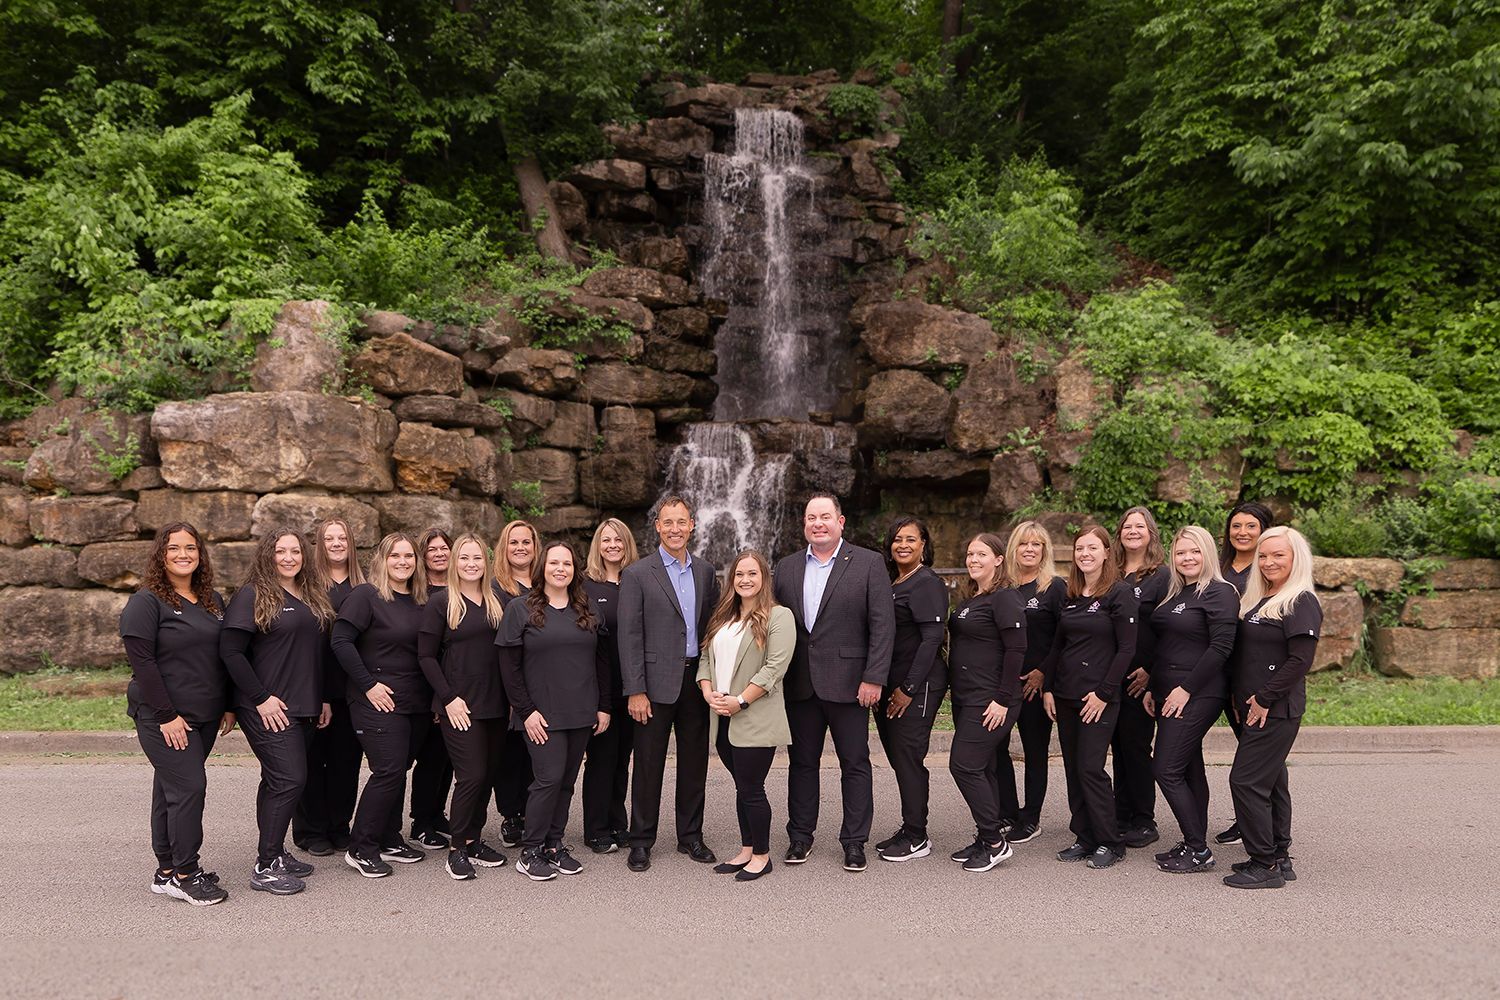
{"x": 51, "y": 700}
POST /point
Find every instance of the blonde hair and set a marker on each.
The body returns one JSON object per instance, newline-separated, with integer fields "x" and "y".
{"x": 1210, "y": 571}
{"x": 457, "y": 603}
{"x": 503, "y": 576}
{"x": 595, "y": 569}
{"x": 1046, "y": 570}
{"x": 1298, "y": 582}
{"x": 380, "y": 577}
{"x": 1154, "y": 555}
{"x": 321, "y": 565}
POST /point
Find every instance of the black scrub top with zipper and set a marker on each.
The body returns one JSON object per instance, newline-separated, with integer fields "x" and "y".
{"x": 1042, "y": 611}
{"x": 387, "y": 647}
{"x": 987, "y": 645}
{"x": 1194, "y": 636}
{"x": 559, "y": 665}
{"x": 1094, "y": 646}
{"x": 187, "y": 657}
{"x": 921, "y": 600}
{"x": 1272, "y": 657}
{"x": 460, "y": 662}
{"x": 287, "y": 658}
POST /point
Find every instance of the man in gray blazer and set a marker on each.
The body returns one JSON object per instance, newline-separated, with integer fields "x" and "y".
{"x": 666, "y": 599}
{"x": 840, "y": 595}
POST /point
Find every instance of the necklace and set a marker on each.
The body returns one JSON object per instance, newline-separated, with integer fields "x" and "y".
{"x": 908, "y": 574}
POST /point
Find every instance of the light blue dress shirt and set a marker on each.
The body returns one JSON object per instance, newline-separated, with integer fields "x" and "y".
{"x": 814, "y": 582}
{"x": 681, "y": 575}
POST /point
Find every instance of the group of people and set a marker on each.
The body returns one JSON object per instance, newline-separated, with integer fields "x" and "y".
{"x": 500, "y": 672}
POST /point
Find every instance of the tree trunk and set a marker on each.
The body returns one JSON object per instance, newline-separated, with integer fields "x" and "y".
{"x": 536, "y": 199}
{"x": 953, "y": 27}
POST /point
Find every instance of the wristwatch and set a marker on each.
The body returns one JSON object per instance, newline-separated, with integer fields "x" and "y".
{"x": 743, "y": 703}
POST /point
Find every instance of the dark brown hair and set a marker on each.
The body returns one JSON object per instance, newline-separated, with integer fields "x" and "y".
{"x": 968, "y": 587}
{"x": 202, "y": 582}
{"x": 1156, "y": 553}
{"x": 578, "y": 600}
{"x": 1109, "y": 573}
{"x": 266, "y": 581}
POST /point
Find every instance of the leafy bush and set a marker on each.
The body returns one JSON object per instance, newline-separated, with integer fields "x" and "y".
{"x": 1345, "y": 526}
{"x": 854, "y": 106}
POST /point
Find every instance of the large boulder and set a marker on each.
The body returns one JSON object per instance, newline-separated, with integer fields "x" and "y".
{"x": 13, "y": 459}
{"x": 1467, "y": 574}
{"x": 909, "y": 333}
{"x": 554, "y": 471}
{"x": 1343, "y": 623}
{"x": 668, "y": 354}
{"x": 445, "y": 411}
{"x": 1014, "y": 479}
{"x": 572, "y": 206}
{"x": 72, "y": 628}
{"x": 401, "y": 365}
{"x": 992, "y": 407}
{"x": 1184, "y": 480}
{"x": 609, "y": 175}
{"x": 539, "y": 370}
{"x": 414, "y": 514}
{"x": 1454, "y": 609}
{"x": 901, "y": 406}
{"x": 939, "y": 466}
{"x": 302, "y": 511}
{"x": 1472, "y": 653}
{"x": 659, "y": 253}
{"x": 91, "y": 449}
{"x": 578, "y": 305}
{"x": 489, "y": 468}
{"x": 573, "y": 519}
{"x": 301, "y": 354}
{"x": 633, "y": 385}
{"x": 39, "y": 565}
{"x": 712, "y": 103}
{"x": 15, "y": 517}
{"x": 623, "y": 472}
{"x": 524, "y": 414}
{"x": 428, "y": 459}
{"x": 650, "y": 288}
{"x": 1081, "y": 396}
{"x": 81, "y": 520}
{"x": 686, "y": 323}
{"x": 264, "y": 442}
{"x": 117, "y": 565}
{"x": 572, "y": 427}
{"x": 670, "y": 142}
{"x": 627, "y": 206}
{"x": 219, "y": 515}
{"x": 1382, "y": 575}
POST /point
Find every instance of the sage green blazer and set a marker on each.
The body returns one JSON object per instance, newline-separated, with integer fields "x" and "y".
{"x": 764, "y": 723}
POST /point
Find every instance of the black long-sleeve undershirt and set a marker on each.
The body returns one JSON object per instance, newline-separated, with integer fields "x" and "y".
{"x": 141, "y": 654}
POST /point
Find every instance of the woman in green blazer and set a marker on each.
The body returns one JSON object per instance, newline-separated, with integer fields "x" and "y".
{"x": 746, "y": 650}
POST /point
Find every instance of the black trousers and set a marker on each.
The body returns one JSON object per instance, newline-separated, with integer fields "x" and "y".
{"x": 515, "y": 776}
{"x": 1036, "y": 740}
{"x": 476, "y": 753}
{"x": 1135, "y": 791}
{"x": 179, "y": 786}
{"x": 1179, "y": 770}
{"x": 688, "y": 716}
{"x": 905, "y": 741}
{"x": 555, "y": 764}
{"x": 1084, "y": 749}
{"x": 391, "y": 741}
{"x": 811, "y": 720}
{"x": 283, "y": 776}
{"x": 1262, "y": 796}
{"x": 973, "y": 760}
{"x": 606, "y": 776}
{"x": 327, "y": 804}
{"x": 1235, "y": 726}
{"x": 748, "y": 766}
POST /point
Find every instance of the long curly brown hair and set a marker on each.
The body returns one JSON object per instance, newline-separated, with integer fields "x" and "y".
{"x": 202, "y": 582}
{"x": 578, "y": 599}
{"x": 265, "y": 579}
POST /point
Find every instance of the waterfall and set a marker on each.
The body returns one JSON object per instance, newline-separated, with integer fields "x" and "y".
{"x": 739, "y": 495}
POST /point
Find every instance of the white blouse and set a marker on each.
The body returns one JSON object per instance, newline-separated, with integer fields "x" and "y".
{"x": 726, "y": 651}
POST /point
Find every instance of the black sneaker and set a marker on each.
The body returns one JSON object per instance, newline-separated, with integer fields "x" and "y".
{"x": 1106, "y": 857}
{"x": 402, "y": 853}
{"x": 887, "y": 842}
{"x": 1229, "y": 836}
{"x": 318, "y": 847}
{"x": 293, "y": 866}
{"x": 535, "y": 866}
{"x": 1007, "y": 825}
{"x": 562, "y": 859}
{"x": 1284, "y": 865}
{"x": 906, "y": 847}
{"x": 1140, "y": 836}
{"x": 484, "y": 855}
{"x": 988, "y": 856}
{"x": 797, "y": 852}
{"x": 854, "y": 857}
{"x": 1188, "y": 861}
{"x": 965, "y": 853}
{"x": 458, "y": 866}
{"x": 512, "y": 828}
{"x": 201, "y": 888}
{"x": 1075, "y": 853}
{"x": 620, "y": 837}
{"x": 159, "y": 882}
{"x": 1175, "y": 852}
{"x": 273, "y": 879}
{"x": 603, "y": 845}
{"x": 368, "y": 867}
{"x": 429, "y": 840}
{"x": 1256, "y": 876}
{"x": 1023, "y": 833}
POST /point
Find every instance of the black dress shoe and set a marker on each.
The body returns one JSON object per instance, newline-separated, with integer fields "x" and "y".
{"x": 744, "y": 876}
{"x": 729, "y": 867}
{"x": 698, "y": 851}
{"x": 639, "y": 860}
{"x": 854, "y": 857}
{"x": 797, "y": 853}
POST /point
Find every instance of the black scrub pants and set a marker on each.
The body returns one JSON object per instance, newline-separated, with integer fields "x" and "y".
{"x": 905, "y": 741}
{"x": 476, "y": 753}
{"x": 515, "y": 776}
{"x": 606, "y": 777}
{"x": 283, "y": 776}
{"x": 688, "y": 716}
{"x": 431, "y": 779}
{"x": 1135, "y": 791}
{"x": 748, "y": 766}
{"x": 327, "y": 804}
{"x": 1036, "y": 741}
{"x": 973, "y": 760}
{"x": 391, "y": 741}
{"x": 811, "y": 720}
{"x": 1179, "y": 770}
{"x": 179, "y": 785}
{"x": 1084, "y": 749}
{"x": 555, "y": 764}
{"x": 1258, "y": 782}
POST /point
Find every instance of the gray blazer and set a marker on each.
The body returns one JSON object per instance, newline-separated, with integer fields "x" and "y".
{"x": 652, "y": 629}
{"x": 764, "y": 723}
{"x": 855, "y": 631}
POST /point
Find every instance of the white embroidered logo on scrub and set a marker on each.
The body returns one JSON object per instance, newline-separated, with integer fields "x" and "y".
{"x": 1138, "y": 593}
{"x": 1178, "y": 610}
{"x": 963, "y": 613}
{"x": 1094, "y": 607}
{"x": 1033, "y": 604}
{"x": 1254, "y": 619}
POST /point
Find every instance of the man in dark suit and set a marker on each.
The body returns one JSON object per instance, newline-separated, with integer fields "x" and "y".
{"x": 846, "y": 626}
{"x": 665, "y": 602}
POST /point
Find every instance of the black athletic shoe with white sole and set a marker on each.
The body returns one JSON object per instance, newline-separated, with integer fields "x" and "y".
{"x": 1078, "y": 852}
{"x": 1106, "y": 857}
{"x": 1229, "y": 836}
{"x": 1256, "y": 876}
{"x": 484, "y": 855}
{"x": 906, "y": 847}
{"x": 1188, "y": 861}
{"x": 965, "y": 853}
{"x": 535, "y": 866}
{"x": 887, "y": 842}
{"x": 160, "y": 881}
{"x": 1284, "y": 865}
{"x": 429, "y": 840}
{"x": 988, "y": 856}
{"x": 402, "y": 854}
{"x": 293, "y": 866}
{"x": 854, "y": 857}
{"x": 1023, "y": 833}
{"x": 274, "y": 879}
{"x": 602, "y": 845}
{"x": 797, "y": 852}
{"x": 562, "y": 859}
{"x": 511, "y": 831}
{"x": 201, "y": 888}
{"x": 458, "y": 866}
{"x": 1175, "y": 852}
{"x": 368, "y": 867}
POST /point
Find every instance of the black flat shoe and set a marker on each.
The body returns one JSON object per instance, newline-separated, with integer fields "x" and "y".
{"x": 744, "y": 876}
{"x": 698, "y": 851}
{"x": 639, "y": 860}
{"x": 729, "y": 867}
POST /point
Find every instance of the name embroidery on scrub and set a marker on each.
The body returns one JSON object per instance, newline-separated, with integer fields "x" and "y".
{"x": 1178, "y": 610}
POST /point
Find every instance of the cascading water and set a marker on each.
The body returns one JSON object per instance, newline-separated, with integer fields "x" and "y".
{"x": 739, "y": 494}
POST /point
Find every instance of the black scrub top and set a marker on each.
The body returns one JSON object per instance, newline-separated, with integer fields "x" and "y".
{"x": 460, "y": 663}
{"x": 1042, "y": 611}
{"x": 1194, "y": 637}
{"x": 559, "y": 665}
{"x": 287, "y": 658}
{"x": 387, "y": 646}
{"x": 335, "y": 682}
{"x": 921, "y": 606}
{"x": 604, "y": 598}
{"x": 505, "y": 598}
{"x": 1239, "y": 579}
{"x": 1272, "y": 657}
{"x": 987, "y": 645}
{"x": 1148, "y": 590}
{"x": 187, "y": 656}
{"x": 1094, "y": 645}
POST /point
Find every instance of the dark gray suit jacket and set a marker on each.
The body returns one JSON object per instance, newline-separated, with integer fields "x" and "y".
{"x": 652, "y": 628}
{"x": 855, "y": 630}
